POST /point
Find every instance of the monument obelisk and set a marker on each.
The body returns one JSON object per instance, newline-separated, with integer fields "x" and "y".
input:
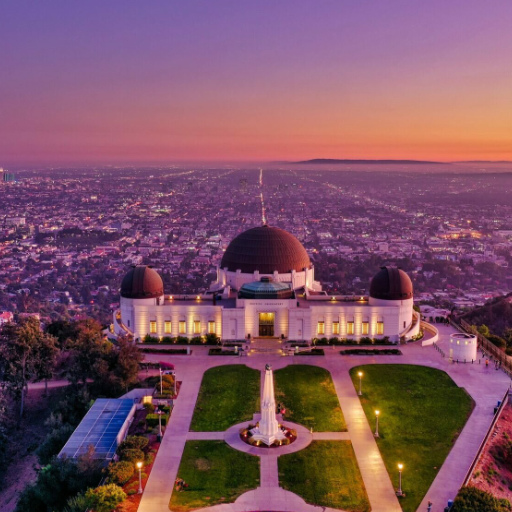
{"x": 268, "y": 431}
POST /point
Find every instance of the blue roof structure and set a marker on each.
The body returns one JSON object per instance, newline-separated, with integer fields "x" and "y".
{"x": 103, "y": 427}
{"x": 266, "y": 288}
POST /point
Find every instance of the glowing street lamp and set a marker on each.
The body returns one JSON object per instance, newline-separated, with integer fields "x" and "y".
{"x": 399, "y": 492}
{"x": 139, "y": 467}
{"x": 360, "y": 375}
{"x": 377, "y": 423}
{"x": 161, "y": 390}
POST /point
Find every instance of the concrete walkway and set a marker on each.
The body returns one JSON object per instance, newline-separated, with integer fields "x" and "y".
{"x": 485, "y": 385}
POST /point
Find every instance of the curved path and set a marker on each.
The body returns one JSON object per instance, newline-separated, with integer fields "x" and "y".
{"x": 485, "y": 385}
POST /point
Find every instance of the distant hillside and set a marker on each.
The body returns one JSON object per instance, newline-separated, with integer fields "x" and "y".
{"x": 496, "y": 314}
{"x": 336, "y": 161}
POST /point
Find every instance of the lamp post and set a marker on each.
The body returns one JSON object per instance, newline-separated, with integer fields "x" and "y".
{"x": 377, "y": 423}
{"x": 159, "y": 412}
{"x": 360, "y": 375}
{"x": 139, "y": 467}
{"x": 399, "y": 492}
{"x": 174, "y": 385}
{"x": 161, "y": 390}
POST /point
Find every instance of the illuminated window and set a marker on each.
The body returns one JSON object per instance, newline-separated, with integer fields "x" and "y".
{"x": 365, "y": 328}
{"x": 211, "y": 327}
{"x": 350, "y": 327}
{"x": 152, "y": 327}
{"x": 320, "y": 328}
{"x": 335, "y": 327}
{"x": 197, "y": 327}
{"x": 167, "y": 327}
{"x": 183, "y": 327}
{"x": 380, "y": 327}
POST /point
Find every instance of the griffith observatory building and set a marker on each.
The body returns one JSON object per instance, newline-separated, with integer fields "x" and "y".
{"x": 266, "y": 287}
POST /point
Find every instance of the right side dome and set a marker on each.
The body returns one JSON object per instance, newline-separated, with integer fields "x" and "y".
{"x": 391, "y": 283}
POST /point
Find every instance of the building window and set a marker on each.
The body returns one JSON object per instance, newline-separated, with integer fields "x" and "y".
{"x": 380, "y": 327}
{"x": 211, "y": 327}
{"x": 320, "y": 328}
{"x": 152, "y": 327}
{"x": 183, "y": 327}
{"x": 350, "y": 327}
{"x": 365, "y": 328}
{"x": 167, "y": 327}
{"x": 335, "y": 327}
{"x": 197, "y": 327}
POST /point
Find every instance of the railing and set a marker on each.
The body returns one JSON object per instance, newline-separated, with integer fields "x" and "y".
{"x": 486, "y": 439}
{"x": 426, "y": 327}
{"x": 488, "y": 347}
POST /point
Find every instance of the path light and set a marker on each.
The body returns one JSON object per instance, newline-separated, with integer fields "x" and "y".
{"x": 399, "y": 492}
{"x": 377, "y": 423}
{"x": 139, "y": 467}
{"x": 360, "y": 374}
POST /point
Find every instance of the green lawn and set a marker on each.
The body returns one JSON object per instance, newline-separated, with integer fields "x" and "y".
{"x": 308, "y": 395}
{"x": 326, "y": 474}
{"x": 422, "y": 412}
{"x": 215, "y": 473}
{"x": 228, "y": 395}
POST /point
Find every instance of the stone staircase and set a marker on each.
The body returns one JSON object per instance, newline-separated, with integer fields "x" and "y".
{"x": 266, "y": 346}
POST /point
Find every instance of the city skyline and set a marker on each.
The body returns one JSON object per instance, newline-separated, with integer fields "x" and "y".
{"x": 126, "y": 83}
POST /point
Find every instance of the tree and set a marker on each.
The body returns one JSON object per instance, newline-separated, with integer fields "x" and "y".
{"x": 471, "y": 499}
{"x": 25, "y": 352}
{"x": 105, "y": 498}
{"x": 45, "y": 359}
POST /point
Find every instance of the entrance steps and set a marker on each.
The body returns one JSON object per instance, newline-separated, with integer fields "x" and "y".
{"x": 266, "y": 346}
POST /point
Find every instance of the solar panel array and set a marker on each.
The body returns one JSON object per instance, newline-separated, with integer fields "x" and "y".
{"x": 99, "y": 428}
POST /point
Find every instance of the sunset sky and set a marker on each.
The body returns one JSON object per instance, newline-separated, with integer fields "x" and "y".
{"x": 167, "y": 81}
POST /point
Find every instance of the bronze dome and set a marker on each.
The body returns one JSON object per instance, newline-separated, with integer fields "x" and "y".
{"x": 142, "y": 282}
{"x": 265, "y": 249}
{"x": 391, "y": 283}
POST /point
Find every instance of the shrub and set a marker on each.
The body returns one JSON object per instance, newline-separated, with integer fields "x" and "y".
{"x": 182, "y": 340}
{"x": 150, "y": 408}
{"x": 365, "y": 340}
{"x": 137, "y": 442}
{"x": 150, "y": 339}
{"x": 105, "y": 498}
{"x": 333, "y": 341}
{"x": 152, "y": 420}
{"x": 212, "y": 339}
{"x": 53, "y": 443}
{"x": 471, "y": 499}
{"x": 77, "y": 503}
{"x": 120, "y": 472}
{"x": 196, "y": 340}
{"x": 132, "y": 455}
{"x": 168, "y": 340}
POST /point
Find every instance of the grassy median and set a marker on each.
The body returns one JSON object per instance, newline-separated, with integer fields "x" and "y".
{"x": 325, "y": 474}
{"x": 422, "y": 412}
{"x": 213, "y": 473}
{"x": 308, "y": 395}
{"x": 228, "y": 395}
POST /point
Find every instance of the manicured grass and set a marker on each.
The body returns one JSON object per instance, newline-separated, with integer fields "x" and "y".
{"x": 422, "y": 411}
{"x": 228, "y": 395}
{"x": 326, "y": 474}
{"x": 215, "y": 473}
{"x": 308, "y": 395}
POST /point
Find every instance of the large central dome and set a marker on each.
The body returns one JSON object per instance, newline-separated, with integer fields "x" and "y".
{"x": 265, "y": 249}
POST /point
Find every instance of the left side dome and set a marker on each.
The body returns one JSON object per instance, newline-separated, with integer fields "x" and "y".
{"x": 142, "y": 282}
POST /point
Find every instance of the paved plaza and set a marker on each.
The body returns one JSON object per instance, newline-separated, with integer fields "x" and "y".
{"x": 485, "y": 385}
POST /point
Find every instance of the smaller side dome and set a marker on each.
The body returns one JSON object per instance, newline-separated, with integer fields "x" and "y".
{"x": 142, "y": 282}
{"x": 391, "y": 283}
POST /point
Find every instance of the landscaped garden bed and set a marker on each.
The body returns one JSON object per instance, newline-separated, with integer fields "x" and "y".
{"x": 228, "y": 395}
{"x": 325, "y": 474}
{"x": 308, "y": 396}
{"x": 371, "y": 352}
{"x": 212, "y": 472}
{"x": 312, "y": 352}
{"x": 174, "y": 351}
{"x": 221, "y": 352}
{"x": 422, "y": 411}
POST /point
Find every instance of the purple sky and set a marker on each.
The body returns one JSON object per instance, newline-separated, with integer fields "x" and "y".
{"x": 132, "y": 81}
